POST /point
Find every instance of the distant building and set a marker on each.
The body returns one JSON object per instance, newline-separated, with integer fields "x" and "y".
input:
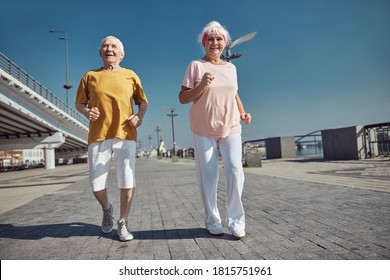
{"x": 21, "y": 157}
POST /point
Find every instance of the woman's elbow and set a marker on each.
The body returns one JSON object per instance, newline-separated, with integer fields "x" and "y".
{"x": 185, "y": 96}
{"x": 182, "y": 100}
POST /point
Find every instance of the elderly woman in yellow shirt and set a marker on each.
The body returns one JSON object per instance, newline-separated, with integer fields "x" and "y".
{"x": 215, "y": 115}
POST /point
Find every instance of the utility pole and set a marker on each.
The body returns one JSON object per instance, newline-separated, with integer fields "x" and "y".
{"x": 150, "y": 143}
{"x": 158, "y": 139}
{"x": 150, "y": 147}
{"x": 172, "y": 115}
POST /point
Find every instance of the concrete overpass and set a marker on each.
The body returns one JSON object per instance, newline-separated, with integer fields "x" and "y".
{"x": 31, "y": 117}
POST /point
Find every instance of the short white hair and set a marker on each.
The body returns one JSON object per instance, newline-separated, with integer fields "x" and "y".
{"x": 121, "y": 47}
{"x": 217, "y": 28}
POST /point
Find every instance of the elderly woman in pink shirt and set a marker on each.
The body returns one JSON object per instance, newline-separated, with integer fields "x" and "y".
{"x": 215, "y": 119}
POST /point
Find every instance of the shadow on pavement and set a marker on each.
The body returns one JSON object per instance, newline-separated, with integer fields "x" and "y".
{"x": 36, "y": 232}
{"x": 190, "y": 233}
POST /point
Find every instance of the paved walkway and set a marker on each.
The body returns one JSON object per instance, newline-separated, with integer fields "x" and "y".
{"x": 295, "y": 209}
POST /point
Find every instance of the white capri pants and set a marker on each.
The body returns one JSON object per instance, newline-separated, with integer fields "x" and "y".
{"x": 206, "y": 156}
{"x": 100, "y": 155}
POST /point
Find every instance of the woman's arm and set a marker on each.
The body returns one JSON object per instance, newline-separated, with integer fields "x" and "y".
{"x": 187, "y": 95}
{"x": 245, "y": 117}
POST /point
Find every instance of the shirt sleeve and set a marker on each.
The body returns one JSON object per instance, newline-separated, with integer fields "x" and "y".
{"x": 82, "y": 94}
{"x": 192, "y": 76}
{"x": 139, "y": 95}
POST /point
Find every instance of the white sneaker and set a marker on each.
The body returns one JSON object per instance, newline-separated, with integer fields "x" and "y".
{"x": 123, "y": 233}
{"x": 238, "y": 233}
{"x": 108, "y": 220}
{"x": 216, "y": 231}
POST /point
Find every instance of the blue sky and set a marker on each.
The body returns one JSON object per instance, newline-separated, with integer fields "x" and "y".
{"x": 313, "y": 64}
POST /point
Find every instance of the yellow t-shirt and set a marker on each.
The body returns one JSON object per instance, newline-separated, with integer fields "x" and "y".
{"x": 114, "y": 94}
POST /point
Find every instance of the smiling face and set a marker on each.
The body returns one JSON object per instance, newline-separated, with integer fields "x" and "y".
{"x": 111, "y": 51}
{"x": 214, "y": 44}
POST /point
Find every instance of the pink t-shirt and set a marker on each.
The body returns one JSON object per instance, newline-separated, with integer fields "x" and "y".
{"x": 215, "y": 113}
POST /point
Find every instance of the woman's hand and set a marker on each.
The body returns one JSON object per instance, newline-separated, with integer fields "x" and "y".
{"x": 207, "y": 79}
{"x": 187, "y": 95}
{"x": 246, "y": 118}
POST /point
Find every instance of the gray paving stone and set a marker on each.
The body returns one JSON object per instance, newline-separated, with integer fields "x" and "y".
{"x": 287, "y": 218}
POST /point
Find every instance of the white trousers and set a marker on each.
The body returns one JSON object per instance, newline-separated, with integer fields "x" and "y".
{"x": 100, "y": 155}
{"x": 206, "y": 157}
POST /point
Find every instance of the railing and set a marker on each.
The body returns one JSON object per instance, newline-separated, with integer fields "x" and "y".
{"x": 22, "y": 76}
{"x": 377, "y": 140}
{"x": 306, "y": 146}
{"x": 309, "y": 145}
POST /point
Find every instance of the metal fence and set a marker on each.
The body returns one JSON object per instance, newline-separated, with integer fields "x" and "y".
{"x": 373, "y": 141}
{"x": 309, "y": 145}
{"x": 377, "y": 140}
{"x": 22, "y": 76}
{"x": 306, "y": 146}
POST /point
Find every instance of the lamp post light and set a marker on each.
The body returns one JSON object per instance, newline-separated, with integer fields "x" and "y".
{"x": 67, "y": 86}
{"x": 172, "y": 115}
{"x": 228, "y": 56}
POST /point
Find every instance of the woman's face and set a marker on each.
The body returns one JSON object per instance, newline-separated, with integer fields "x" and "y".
{"x": 214, "y": 44}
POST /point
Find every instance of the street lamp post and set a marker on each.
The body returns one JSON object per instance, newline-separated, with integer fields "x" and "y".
{"x": 158, "y": 139}
{"x": 67, "y": 86}
{"x": 228, "y": 56}
{"x": 150, "y": 144}
{"x": 172, "y": 115}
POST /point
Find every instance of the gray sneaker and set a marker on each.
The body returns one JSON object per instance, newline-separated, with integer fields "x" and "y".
{"x": 123, "y": 232}
{"x": 108, "y": 220}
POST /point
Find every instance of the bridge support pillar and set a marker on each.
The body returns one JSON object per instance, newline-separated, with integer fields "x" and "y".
{"x": 343, "y": 143}
{"x": 50, "y": 161}
{"x": 280, "y": 147}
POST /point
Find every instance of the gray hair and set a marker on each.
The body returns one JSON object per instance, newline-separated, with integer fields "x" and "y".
{"x": 121, "y": 47}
